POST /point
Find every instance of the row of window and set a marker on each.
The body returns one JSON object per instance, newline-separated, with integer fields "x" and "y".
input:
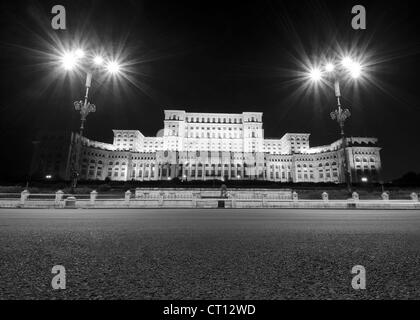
{"x": 357, "y": 159}
{"x": 125, "y": 136}
{"x": 216, "y": 120}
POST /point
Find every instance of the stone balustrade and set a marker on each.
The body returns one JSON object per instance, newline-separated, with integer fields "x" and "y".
{"x": 192, "y": 198}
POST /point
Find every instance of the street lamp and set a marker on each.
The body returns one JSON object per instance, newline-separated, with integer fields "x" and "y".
{"x": 335, "y": 71}
{"x": 89, "y": 64}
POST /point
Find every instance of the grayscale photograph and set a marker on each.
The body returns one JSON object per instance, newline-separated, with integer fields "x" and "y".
{"x": 207, "y": 156}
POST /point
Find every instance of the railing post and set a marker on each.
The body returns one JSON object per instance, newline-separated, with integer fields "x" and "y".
{"x": 58, "y": 197}
{"x": 385, "y": 196}
{"x": 355, "y": 196}
{"x": 232, "y": 195}
{"x": 137, "y": 193}
{"x": 414, "y": 196}
{"x": 24, "y": 196}
{"x": 127, "y": 197}
{"x": 161, "y": 196}
{"x": 93, "y": 196}
{"x": 194, "y": 199}
{"x": 264, "y": 195}
{"x": 325, "y": 196}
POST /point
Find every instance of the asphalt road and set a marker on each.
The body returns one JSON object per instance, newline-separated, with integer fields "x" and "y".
{"x": 209, "y": 254}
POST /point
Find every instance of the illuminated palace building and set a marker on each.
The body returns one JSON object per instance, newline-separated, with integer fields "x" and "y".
{"x": 206, "y": 146}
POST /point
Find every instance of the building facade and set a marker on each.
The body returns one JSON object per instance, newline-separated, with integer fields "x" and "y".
{"x": 207, "y": 146}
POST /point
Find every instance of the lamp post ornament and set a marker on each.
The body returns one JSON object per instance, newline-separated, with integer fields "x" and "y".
{"x": 85, "y": 107}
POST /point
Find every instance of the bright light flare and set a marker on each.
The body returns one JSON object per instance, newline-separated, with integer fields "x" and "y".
{"x": 113, "y": 67}
{"x": 353, "y": 67}
{"x": 315, "y": 74}
{"x": 79, "y": 53}
{"x": 69, "y": 61}
{"x": 329, "y": 67}
{"x": 347, "y": 62}
{"x": 355, "y": 70}
{"x": 98, "y": 60}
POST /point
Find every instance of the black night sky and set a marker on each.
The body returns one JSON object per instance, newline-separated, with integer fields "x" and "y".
{"x": 211, "y": 56}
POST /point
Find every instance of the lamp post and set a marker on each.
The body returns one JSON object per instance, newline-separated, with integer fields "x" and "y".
{"x": 85, "y": 107}
{"x": 340, "y": 114}
{"x": 77, "y": 59}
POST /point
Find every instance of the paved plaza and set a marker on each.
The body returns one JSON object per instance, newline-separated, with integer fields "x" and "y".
{"x": 209, "y": 253}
